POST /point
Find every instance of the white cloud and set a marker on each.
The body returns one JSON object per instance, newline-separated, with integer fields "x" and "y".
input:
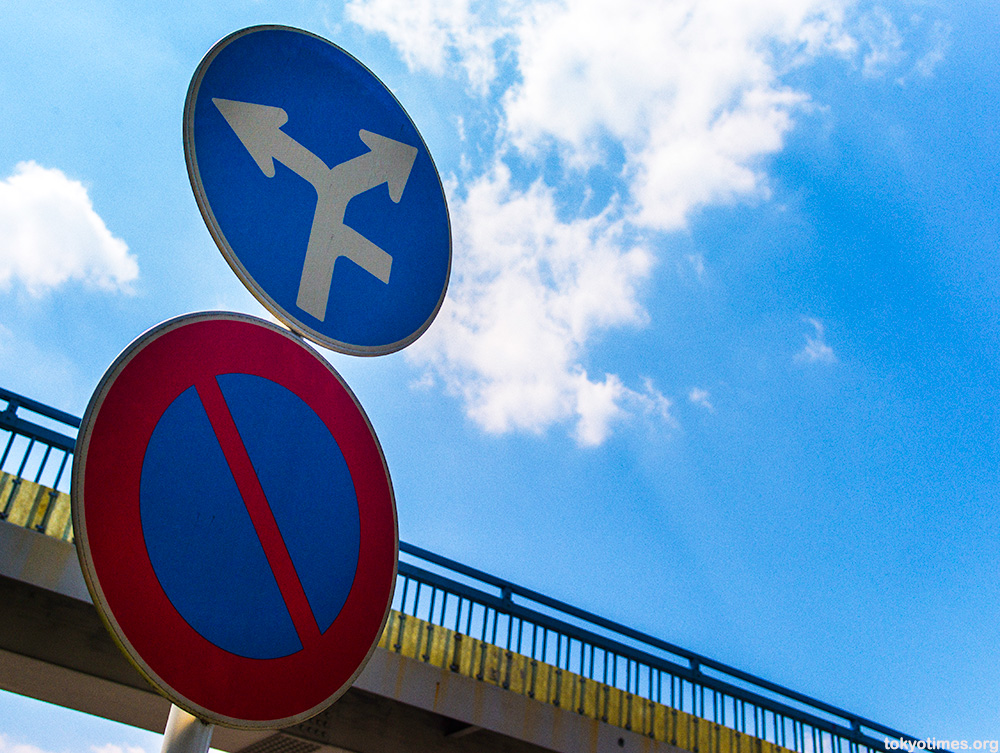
{"x": 528, "y": 291}
{"x": 50, "y": 234}
{"x": 689, "y": 88}
{"x": 816, "y": 349}
{"x": 939, "y": 39}
{"x": 6, "y": 746}
{"x": 112, "y": 748}
{"x": 676, "y": 105}
{"x": 430, "y": 35}
{"x": 702, "y": 398}
{"x": 652, "y": 402}
{"x": 598, "y": 404}
{"x": 697, "y": 264}
{"x": 884, "y": 42}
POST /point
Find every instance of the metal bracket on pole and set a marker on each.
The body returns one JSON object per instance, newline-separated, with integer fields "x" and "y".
{"x": 186, "y": 733}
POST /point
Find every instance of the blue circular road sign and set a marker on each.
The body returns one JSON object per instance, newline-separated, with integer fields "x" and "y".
{"x": 318, "y": 189}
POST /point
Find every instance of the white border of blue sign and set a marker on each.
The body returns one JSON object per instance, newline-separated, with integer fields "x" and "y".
{"x": 266, "y": 299}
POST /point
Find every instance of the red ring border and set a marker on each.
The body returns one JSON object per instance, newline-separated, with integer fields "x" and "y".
{"x": 196, "y": 675}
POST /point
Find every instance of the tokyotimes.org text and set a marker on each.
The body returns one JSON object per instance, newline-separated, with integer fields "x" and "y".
{"x": 933, "y": 743}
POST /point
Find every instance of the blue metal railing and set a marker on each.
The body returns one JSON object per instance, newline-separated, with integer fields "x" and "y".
{"x": 483, "y": 606}
{"x": 452, "y": 595}
{"x": 36, "y": 452}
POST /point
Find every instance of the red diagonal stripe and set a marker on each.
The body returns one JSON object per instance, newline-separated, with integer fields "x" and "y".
{"x": 260, "y": 511}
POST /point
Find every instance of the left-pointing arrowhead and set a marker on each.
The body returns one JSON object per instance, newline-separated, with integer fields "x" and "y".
{"x": 258, "y": 127}
{"x": 393, "y": 160}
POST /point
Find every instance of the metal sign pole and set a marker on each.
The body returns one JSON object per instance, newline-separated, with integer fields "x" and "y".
{"x": 186, "y": 733}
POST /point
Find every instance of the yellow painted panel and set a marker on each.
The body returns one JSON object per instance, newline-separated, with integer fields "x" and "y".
{"x": 556, "y": 686}
{"x": 29, "y": 502}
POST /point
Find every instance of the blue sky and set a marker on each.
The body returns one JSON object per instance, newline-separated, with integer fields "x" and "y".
{"x": 719, "y": 358}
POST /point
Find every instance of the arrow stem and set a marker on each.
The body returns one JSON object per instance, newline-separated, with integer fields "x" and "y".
{"x": 302, "y": 162}
{"x": 329, "y": 239}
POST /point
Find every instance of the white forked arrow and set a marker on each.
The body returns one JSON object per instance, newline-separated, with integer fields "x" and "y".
{"x": 258, "y": 127}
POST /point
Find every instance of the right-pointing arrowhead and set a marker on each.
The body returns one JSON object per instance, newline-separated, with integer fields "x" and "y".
{"x": 394, "y": 160}
{"x": 258, "y": 127}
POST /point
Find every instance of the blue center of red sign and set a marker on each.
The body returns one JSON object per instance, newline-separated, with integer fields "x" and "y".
{"x": 235, "y": 519}
{"x": 221, "y": 564}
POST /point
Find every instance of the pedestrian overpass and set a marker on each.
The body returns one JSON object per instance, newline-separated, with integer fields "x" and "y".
{"x": 467, "y": 661}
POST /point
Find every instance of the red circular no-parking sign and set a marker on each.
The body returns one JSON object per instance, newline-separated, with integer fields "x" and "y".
{"x": 235, "y": 519}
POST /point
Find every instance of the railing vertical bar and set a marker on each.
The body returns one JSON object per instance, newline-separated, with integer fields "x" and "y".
{"x": 24, "y": 460}
{"x": 402, "y": 599}
{"x": 41, "y": 465}
{"x": 62, "y": 467}
{"x": 6, "y": 450}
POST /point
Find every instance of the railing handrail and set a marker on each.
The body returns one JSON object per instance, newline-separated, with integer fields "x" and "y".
{"x": 12, "y": 422}
{"x": 696, "y": 660}
{"x": 505, "y": 605}
{"x": 851, "y": 730}
{"x": 14, "y": 399}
